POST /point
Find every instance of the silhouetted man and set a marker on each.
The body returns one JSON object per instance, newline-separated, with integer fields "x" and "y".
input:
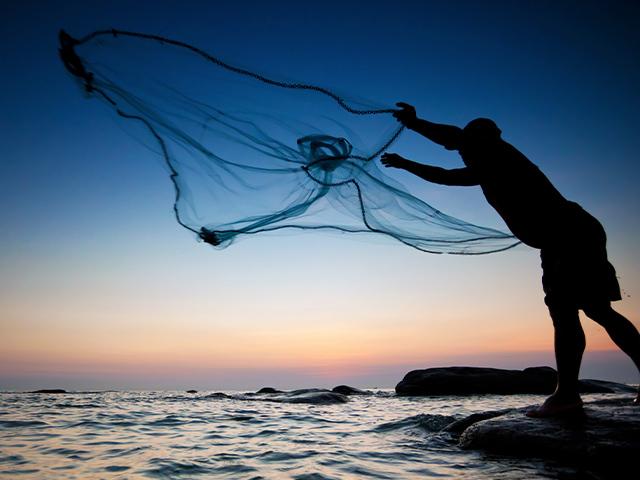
{"x": 576, "y": 272}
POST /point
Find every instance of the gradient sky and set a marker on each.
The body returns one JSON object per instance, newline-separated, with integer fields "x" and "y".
{"x": 100, "y": 288}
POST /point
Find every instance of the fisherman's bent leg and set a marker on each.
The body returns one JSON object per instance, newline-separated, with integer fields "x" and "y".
{"x": 623, "y": 333}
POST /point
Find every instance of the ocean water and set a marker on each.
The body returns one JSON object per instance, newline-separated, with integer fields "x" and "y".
{"x": 176, "y": 435}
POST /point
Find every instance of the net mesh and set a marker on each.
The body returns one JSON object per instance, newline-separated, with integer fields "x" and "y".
{"x": 248, "y": 154}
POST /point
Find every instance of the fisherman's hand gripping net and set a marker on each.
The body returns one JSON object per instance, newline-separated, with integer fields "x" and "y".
{"x": 249, "y": 154}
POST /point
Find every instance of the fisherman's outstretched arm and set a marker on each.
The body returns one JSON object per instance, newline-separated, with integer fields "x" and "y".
{"x": 457, "y": 176}
{"x": 449, "y": 136}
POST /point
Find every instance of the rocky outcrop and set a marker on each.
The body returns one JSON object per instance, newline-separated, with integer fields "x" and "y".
{"x": 476, "y": 380}
{"x": 601, "y": 386}
{"x": 347, "y": 390}
{"x": 269, "y": 390}
{"x": 604, "y": 438}
{"x": 307, "y": 395}
{"x": 218, "y": 395}
{"x": 311, "y": 395}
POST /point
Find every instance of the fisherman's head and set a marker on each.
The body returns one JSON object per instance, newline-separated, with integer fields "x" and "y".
{"x": 480, "y": 131}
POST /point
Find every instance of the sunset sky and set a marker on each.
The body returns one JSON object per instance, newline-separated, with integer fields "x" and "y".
{"x": 101, "y": 289}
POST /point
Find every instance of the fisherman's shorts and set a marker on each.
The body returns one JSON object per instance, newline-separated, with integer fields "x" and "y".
{"x": 576, "y": 272}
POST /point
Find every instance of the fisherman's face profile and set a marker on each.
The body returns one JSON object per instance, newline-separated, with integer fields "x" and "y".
{"x": 478, "y": 135}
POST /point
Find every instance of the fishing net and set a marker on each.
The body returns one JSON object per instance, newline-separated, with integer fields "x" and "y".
{"x": 249, "y": 154}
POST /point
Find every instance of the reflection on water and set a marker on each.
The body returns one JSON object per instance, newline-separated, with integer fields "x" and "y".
{"x": 177, "y": 435}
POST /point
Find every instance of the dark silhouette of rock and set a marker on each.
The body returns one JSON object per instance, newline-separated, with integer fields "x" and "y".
{"x": 50, "y": 390}
{"x": 269, "y": 390}
{"x": 461, "y": 425}
{"x": 476, "y": 380}
{"x": 602, "y": 386}
{"x": 305, "y": 395}
{"x": 311, "y": 395}
{"x": 347, "y": 390}
{"x": 218, "y": 395}
{"x": 192, "y": 391}
{"x": 604, "y": 438}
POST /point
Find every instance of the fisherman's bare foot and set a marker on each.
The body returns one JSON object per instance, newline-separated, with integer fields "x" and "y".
{"x": 557, "y": 405}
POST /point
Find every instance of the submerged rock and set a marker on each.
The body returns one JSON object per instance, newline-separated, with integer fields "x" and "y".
{"x": 459, "y": 426}
{"x": 305, "y": 395}
{"x": 312, "y": 395}
{"x": 347, "y": 390}
{"x": 217, "y": 395}
{"x": 602, "y": 386}
{"x": 477, "y": 380}
{"x": 269, "y": 390}
{"x": 604, "y": 438}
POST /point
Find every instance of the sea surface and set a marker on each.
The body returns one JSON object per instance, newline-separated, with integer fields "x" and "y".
{"x": 177, "y": 435}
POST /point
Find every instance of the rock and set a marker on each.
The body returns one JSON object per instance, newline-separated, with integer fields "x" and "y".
{"x": 461, "y": 425}
{"x": 601, "y": 386}
{"x": 192, "y": 391}
{"x": 605, "y": 438}
{"x": 305, "y": 395}
{"x": 50, "y": 390}
{"x": 476, "y": 380}
{"x": 218, "y": 395}
{"x": 347, "y": 390}
{"x": 310, "y": 395}
{"x": 269, "y": 390}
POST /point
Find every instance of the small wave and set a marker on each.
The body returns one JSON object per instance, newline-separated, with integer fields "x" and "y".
{"x": 85, "y": 424}
{"x": 67, "y": 452}
{"x": 116, "y": 468}
{"x": 170, "y": 469}
{"x": 12, "y": 459}
{"x": 430, "y": 423}
{"x": 234, "y": 469}
{"x": 171, "y": 421}
{"x": 227, "y": 457}
{"x": 362, "y": 471}
{"x": 262, "y": 433}
{"x": 241, "y": 418}
{"x": 271, "y": 456}
{"x": 103, "y": 442}
{"x": 123, "y": 452}
{"x": 21, "y": 423}
{"x": 312, "y": 476}
{"x": 23, "y": 471}
{"x": 309, "y": 419}
{"x": 77, "y": 405}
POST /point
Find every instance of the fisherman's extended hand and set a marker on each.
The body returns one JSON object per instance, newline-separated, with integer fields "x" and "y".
{"x": 393, "y": 160}
{"x": 406, "y": 115}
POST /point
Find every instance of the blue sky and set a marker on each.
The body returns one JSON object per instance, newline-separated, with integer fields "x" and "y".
{"x": 101, "y": 287}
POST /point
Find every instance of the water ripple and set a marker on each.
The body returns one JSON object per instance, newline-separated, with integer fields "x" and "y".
{"x": 239, "y": 435}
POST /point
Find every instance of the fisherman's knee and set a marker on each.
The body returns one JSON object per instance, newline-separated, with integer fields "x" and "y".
{"x": 564, "y": 317}
{"x": 601, "y": 313}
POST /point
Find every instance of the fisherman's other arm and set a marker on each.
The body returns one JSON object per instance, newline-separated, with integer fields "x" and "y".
{"x": 457, "y": 176}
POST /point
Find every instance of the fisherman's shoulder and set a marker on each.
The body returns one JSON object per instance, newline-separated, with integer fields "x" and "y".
{"x": 513, "y": 156}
